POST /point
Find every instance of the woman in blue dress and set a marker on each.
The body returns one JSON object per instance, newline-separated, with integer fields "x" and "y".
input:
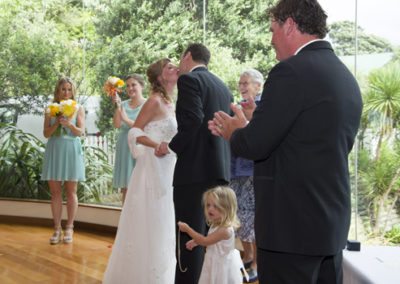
{"x": 124, "y": 118}
{"x": 63, "y": 164}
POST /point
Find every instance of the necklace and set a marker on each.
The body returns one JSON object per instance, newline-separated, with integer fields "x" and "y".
{"x": 135, "y": 105}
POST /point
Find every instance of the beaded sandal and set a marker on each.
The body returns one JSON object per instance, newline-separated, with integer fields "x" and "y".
{"x": 68, "y": 233}
{"x": 56, "y": 237}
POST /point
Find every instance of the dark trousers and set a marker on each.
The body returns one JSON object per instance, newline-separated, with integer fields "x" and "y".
{"x": 189, "y": 209}
{"x": 285, "y": 268}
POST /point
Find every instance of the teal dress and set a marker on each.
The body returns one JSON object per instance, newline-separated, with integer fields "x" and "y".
{"x": 124, "y": 162}
{"x": 63, "y": 157}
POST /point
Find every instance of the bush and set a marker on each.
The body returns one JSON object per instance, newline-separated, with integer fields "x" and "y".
{"x": 21, "y": 159}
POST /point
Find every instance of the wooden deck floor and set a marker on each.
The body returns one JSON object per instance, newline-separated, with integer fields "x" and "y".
{"x": 27, "y": 257}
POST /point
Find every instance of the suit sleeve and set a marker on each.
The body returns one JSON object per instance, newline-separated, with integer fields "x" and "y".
{"x": 189, "y": 112}
{"x": 280, "y": 105}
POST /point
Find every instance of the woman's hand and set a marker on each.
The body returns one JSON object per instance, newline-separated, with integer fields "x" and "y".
{"x": 66, "y": 122}
{"x": 161, "y": 149}
{"x": 116, "y": 100}
{"x": 248, "y": 107}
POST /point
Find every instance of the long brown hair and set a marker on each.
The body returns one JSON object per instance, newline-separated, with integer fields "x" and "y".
{"x": 153, "y": 72}
{"x": 59, "y": 84}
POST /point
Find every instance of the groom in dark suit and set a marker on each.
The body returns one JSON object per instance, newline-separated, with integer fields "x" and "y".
{"x": 300, "y": 137}
{"x": 203, "y": 159}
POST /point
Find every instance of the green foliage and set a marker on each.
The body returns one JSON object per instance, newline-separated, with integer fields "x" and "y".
{"x": 342, "y": 36}
{"x": 132, "y": 34}
{"x": 21, "y": 159}
{"x": 42, "y": 40}
{"x": 244, "y": 27}
{"x": 393, "y": 235}
{"x": 378, "y": 174}
{"x": 383, "y": 96}
{"x": 98, "y": 176}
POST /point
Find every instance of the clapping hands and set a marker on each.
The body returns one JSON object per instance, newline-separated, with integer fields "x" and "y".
{"x": 248, "y": 107}
{"x": 223, "y": 124}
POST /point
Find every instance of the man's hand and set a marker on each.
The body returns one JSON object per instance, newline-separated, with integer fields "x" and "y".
{"x": 224, "y": 125}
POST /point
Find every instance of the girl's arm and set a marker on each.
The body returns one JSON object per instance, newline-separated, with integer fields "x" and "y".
{"x": 190, "y": 245}
{"x": 219, "y": 235}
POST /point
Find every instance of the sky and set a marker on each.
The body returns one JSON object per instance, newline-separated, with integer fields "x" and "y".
{"x": 378, "y": 17}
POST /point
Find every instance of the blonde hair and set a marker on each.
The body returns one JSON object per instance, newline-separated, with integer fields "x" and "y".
{"x": 153, "y": 72}
{"x": 59, "y": 84}
{"x": 225, "y": 201}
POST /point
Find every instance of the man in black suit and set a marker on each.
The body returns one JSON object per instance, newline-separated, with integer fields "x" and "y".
{"x": 203, "y": 160}
{"x": 300, "y": 137}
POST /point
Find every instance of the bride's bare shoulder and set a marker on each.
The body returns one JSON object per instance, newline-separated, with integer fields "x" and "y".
{"x": 153, "y": 100}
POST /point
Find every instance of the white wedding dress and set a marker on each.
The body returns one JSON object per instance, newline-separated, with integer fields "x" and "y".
{"x": 144, "y": 248}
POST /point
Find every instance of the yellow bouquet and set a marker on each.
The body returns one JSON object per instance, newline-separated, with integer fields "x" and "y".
{"x": 66, "y": 108}
{"x": 113, "y": 85}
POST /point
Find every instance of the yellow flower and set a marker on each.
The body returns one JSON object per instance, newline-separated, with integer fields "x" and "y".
{"x": 113, "y": 85}
{"x": 120, "y": 83}
{"x": 68, "y": 107}
{"x": 54, "y": 109}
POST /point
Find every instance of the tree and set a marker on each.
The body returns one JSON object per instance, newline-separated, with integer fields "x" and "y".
{"x": 382, "y": 101}
{"x": 342, "y": 36}
{"x": 38, "y": 46}
{"x": 379, "y": 164}
{"x": 237, "y": 34}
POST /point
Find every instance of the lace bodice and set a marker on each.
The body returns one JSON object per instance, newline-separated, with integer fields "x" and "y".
{"x": 162, "y": 130}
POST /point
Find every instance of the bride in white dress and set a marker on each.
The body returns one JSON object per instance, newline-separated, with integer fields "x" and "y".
{"x": 144, "y": 248}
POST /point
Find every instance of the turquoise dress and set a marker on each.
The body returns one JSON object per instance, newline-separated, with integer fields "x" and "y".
{"x": 63, "y": 157}
{"x": 124, "y": 162}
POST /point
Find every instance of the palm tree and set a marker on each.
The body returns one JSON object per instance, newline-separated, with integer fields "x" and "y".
{"x": 382, "y": 102}
{"x": 381, "y": 112}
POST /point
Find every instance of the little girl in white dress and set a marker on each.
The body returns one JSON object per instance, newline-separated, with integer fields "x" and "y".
{"x": 222, "y": 263}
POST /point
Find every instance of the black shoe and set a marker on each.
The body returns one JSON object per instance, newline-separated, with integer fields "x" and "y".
{"x": 253, "y": 277}
{"x": 247, "y": 264}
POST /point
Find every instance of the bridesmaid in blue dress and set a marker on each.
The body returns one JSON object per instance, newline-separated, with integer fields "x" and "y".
{"x": 124, "y": 117}
{"x": 63, "y": 164}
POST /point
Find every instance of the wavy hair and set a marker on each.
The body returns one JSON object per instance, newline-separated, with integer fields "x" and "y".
{"x": 59, "y": 84}
{"x": 153, "y": 72}
{"x": 226, "y": 203}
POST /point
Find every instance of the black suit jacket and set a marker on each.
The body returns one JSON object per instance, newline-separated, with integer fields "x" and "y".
{"x": 300, "y": 137}
{"x": 201, "y": 157}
